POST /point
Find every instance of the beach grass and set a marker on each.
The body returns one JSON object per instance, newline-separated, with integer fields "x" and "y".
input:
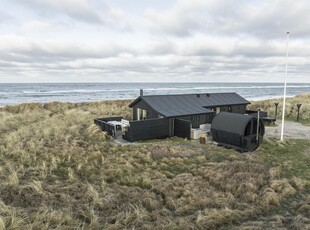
{"x": 59, "y": 171}
{"x": 290, "y": 108}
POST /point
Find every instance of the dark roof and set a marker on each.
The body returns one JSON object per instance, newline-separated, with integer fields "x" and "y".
{"x": 189, "y": 104}
{"x": 231, "y": 122}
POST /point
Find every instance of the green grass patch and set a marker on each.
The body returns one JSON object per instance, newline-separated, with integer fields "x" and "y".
{"x": 293, "y": 156}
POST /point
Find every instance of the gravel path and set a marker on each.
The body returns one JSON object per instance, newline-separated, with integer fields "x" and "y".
{"x": 291, "y": 130}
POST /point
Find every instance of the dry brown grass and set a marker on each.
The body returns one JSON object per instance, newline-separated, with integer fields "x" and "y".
{"x": 59, "y": 171}
{"x": 290, "y": 109}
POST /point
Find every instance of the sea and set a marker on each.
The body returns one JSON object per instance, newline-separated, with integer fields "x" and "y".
{"x": 13, "y": 94}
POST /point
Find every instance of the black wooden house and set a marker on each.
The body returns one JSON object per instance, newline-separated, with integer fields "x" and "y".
{"x": 185, "y": 115}
{"x": 160, "y": 116}
{"x": 197, "y": 108}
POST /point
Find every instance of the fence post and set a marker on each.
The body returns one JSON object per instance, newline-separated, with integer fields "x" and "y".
{"x": 276, "y": 110}
{"x": 298, "y": 109}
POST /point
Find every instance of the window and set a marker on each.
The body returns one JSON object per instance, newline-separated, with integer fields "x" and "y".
{"x": 208, "y": 118}
{"x": 141, "y": 114}
{"x": 195, "y": 118}
{"x": 144, "y": 114}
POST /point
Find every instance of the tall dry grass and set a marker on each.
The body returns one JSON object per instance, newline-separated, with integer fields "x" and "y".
{"x": 59, "y": 171}
{"x": 290, "y": 109}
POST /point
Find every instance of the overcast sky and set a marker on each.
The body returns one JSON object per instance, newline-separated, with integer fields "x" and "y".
{"x": 153, "y": 41}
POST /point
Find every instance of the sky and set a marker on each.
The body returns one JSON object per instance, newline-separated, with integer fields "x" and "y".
{"x": 154, "y": 41}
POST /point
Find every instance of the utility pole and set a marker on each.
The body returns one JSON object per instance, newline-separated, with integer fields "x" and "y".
{"x": 284, "y": 95}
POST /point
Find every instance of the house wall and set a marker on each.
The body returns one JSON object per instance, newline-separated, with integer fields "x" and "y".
{"x": 233, "y": 108}
{"x": 171, "y": 127}
{"x": 197, "y": 120}
{"x": 142, "y": 105}
{"x": 239, "y": 109}
{"x": 224, "y": 108}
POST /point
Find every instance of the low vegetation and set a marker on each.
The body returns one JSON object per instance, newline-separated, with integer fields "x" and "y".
{"x": 290, "y": 108}
{"x": 59, "y": 171}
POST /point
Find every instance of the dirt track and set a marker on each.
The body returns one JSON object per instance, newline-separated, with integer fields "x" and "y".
{"x": 291, "y": 130}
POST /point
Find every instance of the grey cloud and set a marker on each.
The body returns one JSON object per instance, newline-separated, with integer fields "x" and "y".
{"x": 5, "y": 17}
{"x": 79, "y": 9}
{"x": 19, "y": 49}
{"x": 91, "y": 12}
{"x": 165, "y": 57}
{"x": 172, "y": 23}
{"x": 268, "y": 18}
{"x": 160, "y": 47}
{"x": 148, "y": 70}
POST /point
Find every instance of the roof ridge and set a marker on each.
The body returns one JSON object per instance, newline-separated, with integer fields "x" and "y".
{"x": 185, "y": 94}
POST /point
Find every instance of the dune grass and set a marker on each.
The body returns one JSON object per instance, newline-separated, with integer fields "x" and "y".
{"x": 290, "y": 108}
{"x": 59, "y": 171}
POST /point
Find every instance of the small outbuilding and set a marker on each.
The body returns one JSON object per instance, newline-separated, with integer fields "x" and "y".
{"x": 237, "y": 130}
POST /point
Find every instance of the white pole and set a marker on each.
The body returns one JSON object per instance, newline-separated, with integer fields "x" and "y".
{"x": 257, "y": 126}
{"x": 284, "y": 96}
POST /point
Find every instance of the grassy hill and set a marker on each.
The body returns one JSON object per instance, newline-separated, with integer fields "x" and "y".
{"x": 59, "y": 171}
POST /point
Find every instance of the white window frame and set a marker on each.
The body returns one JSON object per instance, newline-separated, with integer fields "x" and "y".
{"x": 141, "y": 114}
{"x": 144, "y": 114}
{"x": 138, "y": 113}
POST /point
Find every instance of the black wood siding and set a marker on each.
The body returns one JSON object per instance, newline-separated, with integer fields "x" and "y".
{"x": 233, "y": 108}
{"x": 236, "y": 130}
{"x": 239, "y": 109}
{"x": 182, "y": 128}
{"x": 142, "y": 105}
{"x": 103, "y": 123}
{"x": 147, "y": 129}
{"x": 197, "y": 120}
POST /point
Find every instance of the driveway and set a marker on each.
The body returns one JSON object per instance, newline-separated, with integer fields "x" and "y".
{"x": 291, "y": 130}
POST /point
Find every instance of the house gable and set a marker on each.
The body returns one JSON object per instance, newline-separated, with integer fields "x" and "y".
{"x": 141, "y": 104}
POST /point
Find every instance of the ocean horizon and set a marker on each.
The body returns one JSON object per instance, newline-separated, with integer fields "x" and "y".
{"x": 18, "y": 93}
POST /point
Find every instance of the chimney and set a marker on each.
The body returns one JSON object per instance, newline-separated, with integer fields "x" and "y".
{"x": 141, "y": 92}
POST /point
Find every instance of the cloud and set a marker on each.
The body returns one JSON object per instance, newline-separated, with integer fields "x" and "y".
{"x": 260, "y": 18}
{"x": 5, "y": 17}
{"x": 191, "y": 40}
{"x": 42, "y": 26}
{"x": 196, "y": 51}
{"x": 19, "y": 48}
{"x": 87, "y": 11}
{"x": 171, "y": 60}
{"x": 77, "y": 9}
